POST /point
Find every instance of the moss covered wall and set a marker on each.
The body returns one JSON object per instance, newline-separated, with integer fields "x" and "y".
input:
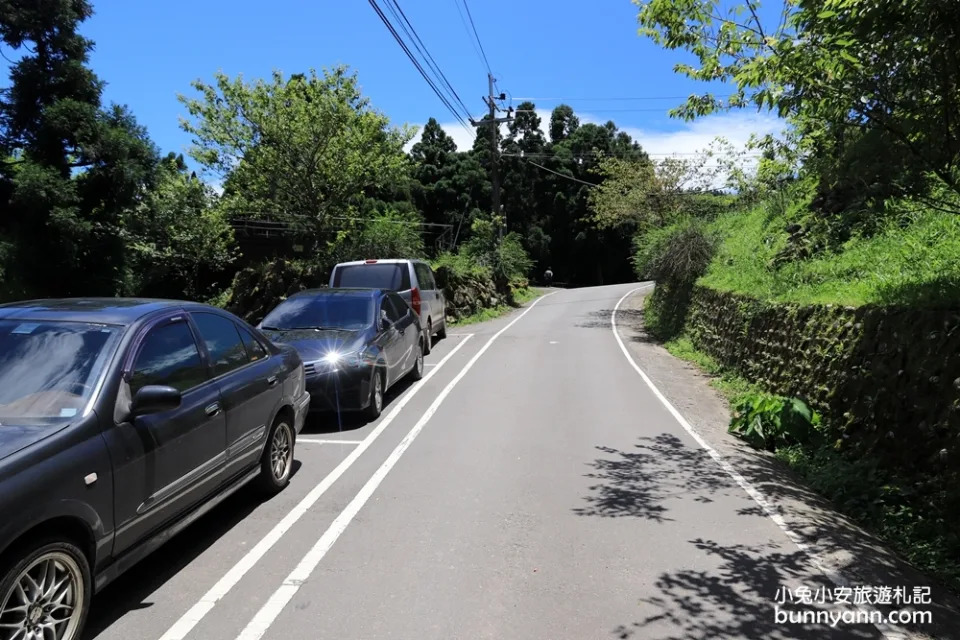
{"x": 887, "y": 379}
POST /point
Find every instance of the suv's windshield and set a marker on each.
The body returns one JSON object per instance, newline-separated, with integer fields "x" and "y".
{"x": 48, "y": 369}
{"x": 373, "y": 276}
{"x": 322, "y": 312}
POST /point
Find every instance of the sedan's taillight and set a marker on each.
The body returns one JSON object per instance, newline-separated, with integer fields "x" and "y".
{"x": 415, "y": 300}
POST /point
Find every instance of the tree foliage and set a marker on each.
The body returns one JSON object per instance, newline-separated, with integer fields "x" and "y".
{"x": 871, "y": 86}
{"x": 302, "y": 149}
{"x": 72, "y": 172}
{"x": 180, "y": 241}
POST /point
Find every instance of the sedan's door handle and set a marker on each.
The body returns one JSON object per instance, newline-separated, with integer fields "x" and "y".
{"x": 272, "y": 380}
{"x": 213, "y": 409}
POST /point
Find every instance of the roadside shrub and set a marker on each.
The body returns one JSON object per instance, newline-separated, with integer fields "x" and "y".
{"x": 769, "y": 422}
{"x": 467, "y": 286}
{"x": 505, "y": 257}
{"x": 674, "y": 257}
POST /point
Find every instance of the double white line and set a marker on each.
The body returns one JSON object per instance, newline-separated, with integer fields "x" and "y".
{"x": 269, "y": 612}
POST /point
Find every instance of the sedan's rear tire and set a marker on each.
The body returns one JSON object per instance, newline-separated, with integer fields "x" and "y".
{"x": 276, "y": 464}
{"x": 417, "y": 372}
{"x": 45, "y": 591}
{"x": 377, "y": 388}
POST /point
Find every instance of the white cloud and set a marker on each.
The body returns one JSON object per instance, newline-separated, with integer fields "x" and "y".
{"x": 686, "y": 138}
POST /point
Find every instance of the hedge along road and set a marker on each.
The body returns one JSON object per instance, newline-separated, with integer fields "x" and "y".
{"x": 549, "y": 493}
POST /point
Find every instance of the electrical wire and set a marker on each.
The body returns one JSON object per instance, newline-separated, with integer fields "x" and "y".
{"x": 411, "y": 32}
{"x": 477, "y": 36}
{"x": 614, "y": 99}
{"x": 416, "y": 63}
{"x": 589, "y": 184}
{"x": 473, "y": 42}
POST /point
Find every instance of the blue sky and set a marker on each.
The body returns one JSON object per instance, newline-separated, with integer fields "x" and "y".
{"x": 148, "y": 52}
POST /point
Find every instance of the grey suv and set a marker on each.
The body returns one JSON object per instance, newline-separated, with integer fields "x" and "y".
{"x": 412, "y": 279}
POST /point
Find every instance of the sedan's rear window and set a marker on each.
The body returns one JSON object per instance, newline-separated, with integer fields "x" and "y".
{"x": 393, "y": 276}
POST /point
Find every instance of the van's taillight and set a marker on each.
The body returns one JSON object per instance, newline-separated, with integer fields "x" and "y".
{"x": 415, "y": 300}
{"x": 370, "y": 261}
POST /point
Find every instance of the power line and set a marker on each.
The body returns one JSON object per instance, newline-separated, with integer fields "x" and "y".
{"x": 416, "y": 63}
{"x": 477, "y": 36}
{"x": 600, "y": 154}
{"x": 613, "y": 99}
{"x": 589, "y": 184}
{"x": 473, "y": 41}
{"x": 591, "y": 110}
{"x": 418, "y": 43}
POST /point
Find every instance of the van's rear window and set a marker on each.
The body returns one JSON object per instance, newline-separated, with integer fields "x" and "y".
{"x": 395, "y": 277}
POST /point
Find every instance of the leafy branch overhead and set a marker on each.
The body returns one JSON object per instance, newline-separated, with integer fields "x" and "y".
{"x": 842, "y": 71}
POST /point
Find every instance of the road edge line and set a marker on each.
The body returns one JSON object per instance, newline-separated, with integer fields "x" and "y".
{"x": 758, "y": 496}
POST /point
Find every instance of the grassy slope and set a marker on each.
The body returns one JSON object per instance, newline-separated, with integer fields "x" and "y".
{"x": 918, "y": 264}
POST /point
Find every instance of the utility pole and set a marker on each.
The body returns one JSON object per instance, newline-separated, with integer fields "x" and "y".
{"x": 494, "y": 122}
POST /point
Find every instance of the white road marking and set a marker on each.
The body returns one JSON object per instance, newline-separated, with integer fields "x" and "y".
{"x": 553, "y": 342}
{"x": 260, "y": 622}
{"x": 196, "y": 613}
{"x": 758, "y": 496}
{"x": 319, "y": 441}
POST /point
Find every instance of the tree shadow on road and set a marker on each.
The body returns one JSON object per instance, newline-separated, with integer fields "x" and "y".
{"x": 626, "y": 318}
{"x": 637, "y": 484}
{"x": 736, "y": 600}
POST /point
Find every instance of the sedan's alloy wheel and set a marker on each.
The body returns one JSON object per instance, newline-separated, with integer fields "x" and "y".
{"x": 378, "y": 392}
{"x": 45, "y": 601}
{"x": 281, "y": 451}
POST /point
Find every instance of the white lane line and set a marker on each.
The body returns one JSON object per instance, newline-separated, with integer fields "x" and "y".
{"x": 758, "y": 496}
{"x": 195, "y": 614}
{"x": 318, "y": 441}
{"x": 259, "y": 624}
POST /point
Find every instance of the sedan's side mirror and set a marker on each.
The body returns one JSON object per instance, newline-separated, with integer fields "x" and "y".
{"x": 384, "y": 321}
{"x": 155, "y": 398}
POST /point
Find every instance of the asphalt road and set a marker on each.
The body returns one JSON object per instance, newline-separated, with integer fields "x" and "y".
{"x": 532, "y": 487}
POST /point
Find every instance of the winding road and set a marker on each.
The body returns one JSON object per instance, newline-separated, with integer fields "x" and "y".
{"x": 533, "y": 486}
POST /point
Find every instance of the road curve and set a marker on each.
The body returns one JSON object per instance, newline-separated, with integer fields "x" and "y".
{"x": 534, "y": 487}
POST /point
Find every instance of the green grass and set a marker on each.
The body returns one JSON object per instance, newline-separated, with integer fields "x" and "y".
{"x": 914, "y": 260}
{"x": 909, "y": 515}
{"x": 726, "y": 382}
{"x": 521, "y": 296}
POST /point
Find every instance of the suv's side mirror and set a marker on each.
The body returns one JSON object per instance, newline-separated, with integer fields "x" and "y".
{"x": 155, "y": 398}
{"x": 384, "y": 320}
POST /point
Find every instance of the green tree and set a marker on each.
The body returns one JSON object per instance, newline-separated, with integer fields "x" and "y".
{"x": 72, "y": 171}
{"x": 304, "y": 149}
{"x": 180, "y": 242}
{"x": 434, "y": 166}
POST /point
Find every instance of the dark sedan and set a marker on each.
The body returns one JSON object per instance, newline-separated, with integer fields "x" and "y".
{"x": 355, "y": 344}
{"x": 121, "y": 422}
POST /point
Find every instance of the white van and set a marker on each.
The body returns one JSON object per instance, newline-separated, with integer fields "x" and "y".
{"x": 412, "y": 279}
